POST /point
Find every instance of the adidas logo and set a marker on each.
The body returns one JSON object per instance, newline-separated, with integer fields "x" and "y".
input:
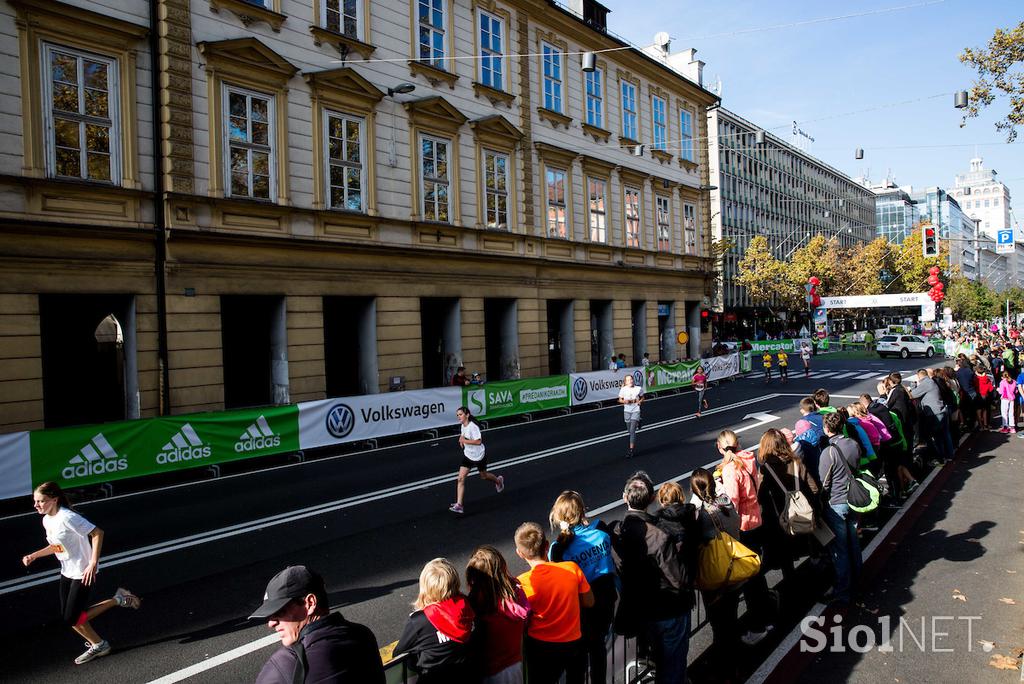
{"x": 257, "y": 436}
{"x": 184, "y": 446}
{"x": 95, "y": 458}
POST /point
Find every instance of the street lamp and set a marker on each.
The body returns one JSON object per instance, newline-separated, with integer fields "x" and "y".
{"x": 589, "y": 62}
{"x": 400, "y": 89}
{"x": 960, "y": 99}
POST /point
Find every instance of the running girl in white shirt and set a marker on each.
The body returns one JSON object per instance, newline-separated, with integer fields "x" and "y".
{"x": 473, "y": 456}
{"x": 631, "y": 396}
{"x": 76, "y": 542}
{"x": 805, "y": 356}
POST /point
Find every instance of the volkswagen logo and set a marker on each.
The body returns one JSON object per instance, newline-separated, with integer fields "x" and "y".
{"x": 579, "y": 389}
{"x": 340, "y": 421}
{"x": 638, "y": 378}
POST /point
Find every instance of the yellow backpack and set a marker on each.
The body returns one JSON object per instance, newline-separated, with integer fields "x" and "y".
{"x": 724, "y": 561}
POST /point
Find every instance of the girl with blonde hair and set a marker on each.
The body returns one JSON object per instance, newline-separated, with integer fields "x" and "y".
{"x": 501, "y": 610}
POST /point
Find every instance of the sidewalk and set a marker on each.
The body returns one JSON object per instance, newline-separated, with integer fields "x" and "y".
{"x": 946, "y": 586}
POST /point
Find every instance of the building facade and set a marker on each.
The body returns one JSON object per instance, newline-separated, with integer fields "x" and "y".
{"x": 984, "y": 197}
{"x": 941, "y": 209}
{"x": 254, "y": 201}
{"x": 774, "y": 189}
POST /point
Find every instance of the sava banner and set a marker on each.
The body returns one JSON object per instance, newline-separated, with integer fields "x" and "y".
{"x": 349, "y": 419}
{"x": 512, "y": 397}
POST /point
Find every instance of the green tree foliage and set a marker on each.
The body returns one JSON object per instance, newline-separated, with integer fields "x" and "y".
{"x": 971, "y": 301}
{"x": 761, "y": 273}
{"x": 998, "y": 69}
{"x": 819, "y": 257}
{"x": 864, "y": 266}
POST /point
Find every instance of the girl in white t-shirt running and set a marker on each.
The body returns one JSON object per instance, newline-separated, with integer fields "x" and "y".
{"x": 76, "y": 542}
{"x": 473, "y": 456}
{"x": 805, "y": 356}
{"x": 631, "y": 396}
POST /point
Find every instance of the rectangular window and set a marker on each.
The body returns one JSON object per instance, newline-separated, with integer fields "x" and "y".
{"x": 250, "y": 144}
{"x": 595, "y": 98}
{"x": 629, "y": 111}
{"x": 659, "y": 121}
{"x": 345, "y": 182}
{"x": 556, "y": 203}
{"x": 552, "y": 78}
{"x": 81, "y": 115}
{"x": 986, "y": 203}
{"x": 686, "y": 135}
{"x": 491, "y": 51}
{"x": 632, "y": 207}
{"x": 598, "y": 209}
{"x": 435, "y": 179}
{"x": 342, "y": 16}
{"x": 432, "y": 34}
{"x": 690, "y": 227}
{"x": 664, "y": 205}
{"x": 496, "y": 190}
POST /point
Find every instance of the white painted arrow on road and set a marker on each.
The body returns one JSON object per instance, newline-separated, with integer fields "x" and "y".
{"x": 761, "y": 417}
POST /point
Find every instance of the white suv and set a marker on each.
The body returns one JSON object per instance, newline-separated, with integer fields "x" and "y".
{"x": 904, "y": 346}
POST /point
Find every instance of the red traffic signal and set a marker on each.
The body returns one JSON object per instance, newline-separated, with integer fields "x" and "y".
{"x": 704, "y": 313}
{"x": 929, "y": 242}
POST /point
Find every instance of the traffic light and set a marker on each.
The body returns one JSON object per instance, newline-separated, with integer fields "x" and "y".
{"x": 705, "y": 320}
{"x": 930, "y": 242}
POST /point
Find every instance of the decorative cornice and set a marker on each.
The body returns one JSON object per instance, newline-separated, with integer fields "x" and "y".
{"x": 344, "y": 44}
{"x": 554, "y": 118}
{"x": 250, "y": 13}
{"x": 598, "y": 134}
{"x": 496, "y": 128}
{"x": 343, "y": 86}
{"x": 662, "y": 156}
{"x": 494, "y": 95}
{"x": 434, "y": 75}
{"x": 246, "y": 55}
{"x": 435, "y": 112}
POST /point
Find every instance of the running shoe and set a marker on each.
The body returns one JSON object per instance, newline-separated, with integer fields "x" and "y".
{"x": 753, "y": 638}
{"x": 456, "y": 508}
{"x": 126, "y": 599}
{"x": 911, "y": 487}
{"x": 94, "y": 651}
{"x": 500, "y": 484}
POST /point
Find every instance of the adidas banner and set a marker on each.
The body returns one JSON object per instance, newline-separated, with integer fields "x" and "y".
{"x": 15, "y": 465}
{"x": 588, "y": 388}
{"x": 95, "y": 454}
{"x": 350, "y": 419}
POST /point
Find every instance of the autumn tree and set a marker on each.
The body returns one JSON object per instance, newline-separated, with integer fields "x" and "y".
{"x": 998, "y": 69}
{"x": 970, "y": 300}
{"x": 760, "y": 272}
{"x": 819, "y": 257}
{"x": 865, "y": 265}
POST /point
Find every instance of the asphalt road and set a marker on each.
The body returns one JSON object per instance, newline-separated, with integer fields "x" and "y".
{"x": 200, "y": 554}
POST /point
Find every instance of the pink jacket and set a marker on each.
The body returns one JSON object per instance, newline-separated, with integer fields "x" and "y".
{"x": 883, "y": 432}
{"x": 739, "y": 477}
{"x": 1007, "y": 389}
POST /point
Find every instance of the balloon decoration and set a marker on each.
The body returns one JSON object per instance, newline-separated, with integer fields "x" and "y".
{"x": 936, "y": 294}
{"x": 812, "y": 298}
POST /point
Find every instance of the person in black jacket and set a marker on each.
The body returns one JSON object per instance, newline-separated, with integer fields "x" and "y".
{"x": 655, "y": 601}
{"x": 317, "y": 646}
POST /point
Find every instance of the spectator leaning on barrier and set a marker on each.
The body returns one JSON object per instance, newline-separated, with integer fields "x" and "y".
{"x": 834, "y": 473}
{"x": 316, "y": 645}
{"x": 934, "y": 417}
{"x": 656, "y": 601}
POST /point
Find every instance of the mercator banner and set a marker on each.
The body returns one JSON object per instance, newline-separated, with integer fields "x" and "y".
{"x": 663, "y": 376}
{"x": 512, "y": 397}
{"x": 350, "y": 419}
{"x": 788, "y": 346}
{"x": 588, "y": 388}
{"x": 93, "y": 454}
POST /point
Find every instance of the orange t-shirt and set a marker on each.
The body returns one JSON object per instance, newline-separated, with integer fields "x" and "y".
{"x": 554, "y": 592}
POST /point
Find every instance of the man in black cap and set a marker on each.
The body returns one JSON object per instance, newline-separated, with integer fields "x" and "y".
{"x": 318, "y": 646}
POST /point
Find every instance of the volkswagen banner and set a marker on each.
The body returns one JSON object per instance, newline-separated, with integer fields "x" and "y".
{"x": 588, "y": 388}
{"x": 721, "y": 367}
{"x": 350, "y": 419}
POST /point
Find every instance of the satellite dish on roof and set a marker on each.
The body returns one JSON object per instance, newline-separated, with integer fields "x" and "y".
{"x": 662, "y": 40}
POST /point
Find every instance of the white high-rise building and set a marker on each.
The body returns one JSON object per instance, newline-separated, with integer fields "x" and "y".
{"x": 983, "y": 197}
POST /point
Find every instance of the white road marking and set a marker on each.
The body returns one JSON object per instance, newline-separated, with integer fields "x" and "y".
{"x": 844, "y": 375}
{"x": 14, "y": 585}
{"x": 217, "y": 660}
{"x": 867, "y": 376}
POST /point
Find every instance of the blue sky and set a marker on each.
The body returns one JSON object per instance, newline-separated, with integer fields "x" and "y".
{"x": 808, "y": 72}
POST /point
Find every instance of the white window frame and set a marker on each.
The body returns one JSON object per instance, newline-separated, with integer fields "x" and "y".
{"x": 660, "y": 128}
{"x": 686, "y": 135}
{"x": 551, "y": 54}
{"x": 329, "y": 162}
{"x": 663, "y": 219}
{"x": 270, "y": 148}
{"x": 446, "y": 180}
{"x": 597, "y": 219}
{"x": 357, "y": 16}
{"x": 113, "y": 109}
{"x": 487, "y": 53}
{"x": 631, "y": 200}
{"x": 556, "y": 228}
{"x": 630, "y": 117}
{"x": 433, "y": 29}
{"x": 690, "y": 227}
{"x": 490, "y": 162}
{"x": 594, "y": 93}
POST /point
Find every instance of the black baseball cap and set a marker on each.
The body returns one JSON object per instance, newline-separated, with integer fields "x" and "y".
{"x": 295, "y": 581}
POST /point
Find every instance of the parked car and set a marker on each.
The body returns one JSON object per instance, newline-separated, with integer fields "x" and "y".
{"x": 904, "y": 346}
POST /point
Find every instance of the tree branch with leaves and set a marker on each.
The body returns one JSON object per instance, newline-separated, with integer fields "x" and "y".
{"x": 999, "y": 74}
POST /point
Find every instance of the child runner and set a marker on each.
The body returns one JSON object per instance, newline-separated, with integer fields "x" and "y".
{"x": 700, "y": 382}
{"x": 783, "y": 365}
{"x": 767, "y": 359}
{"x": 76, "y": 542}
{"x": 473, "y": 456}
{"x": 805, "y": 356}
{"x": 631, "y": 396}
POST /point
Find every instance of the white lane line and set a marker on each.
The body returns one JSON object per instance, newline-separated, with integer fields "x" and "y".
{"x": 218, "y": 660}
{"x": 867, "y": 376}
{"x": 14, "y": 585}
{"x": 822, "y": 374}
{"x": 844, "y": 375}
{"x": 615, "y": 504}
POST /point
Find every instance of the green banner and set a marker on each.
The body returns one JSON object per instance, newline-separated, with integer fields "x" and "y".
{"x": 663, "y": 376}
{"x": 94, "y": 454}
{"x": 512, "y": 397}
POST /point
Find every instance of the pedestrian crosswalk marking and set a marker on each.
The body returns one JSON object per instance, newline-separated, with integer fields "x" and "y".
{"x": 845, "y": 375}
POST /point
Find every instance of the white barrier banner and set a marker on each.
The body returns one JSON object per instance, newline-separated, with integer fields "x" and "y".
{"x": 350, "y": 419}
{"x": 15, "y": 465}
{"x": 721, "y": 367}
{"x": 588, "y": 388}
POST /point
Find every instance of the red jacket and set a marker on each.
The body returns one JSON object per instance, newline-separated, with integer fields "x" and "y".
{"x": 984, "y": 385}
